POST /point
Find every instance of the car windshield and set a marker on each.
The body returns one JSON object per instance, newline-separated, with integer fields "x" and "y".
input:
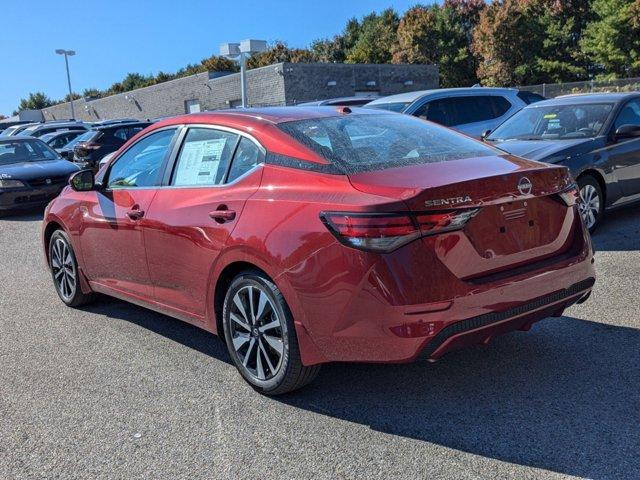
{"x": 391, "y": 106}
{"x": 357, "y": 143}
{"x": 552, "y": 122}
{"x": 85, "y": 137}
{"x": 16, "y": 151}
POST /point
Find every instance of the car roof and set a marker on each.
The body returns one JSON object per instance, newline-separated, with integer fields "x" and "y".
{"x": 19, "y": 138}
{"x": 585, "y": 98}
{"x": 336, "y": 101}
{"x": 272, "y": 115}
{"x": 117, "y": 125}
{"x": 409, "y": 97}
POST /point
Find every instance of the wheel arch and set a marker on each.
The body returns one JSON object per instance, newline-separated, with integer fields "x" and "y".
{"x": 599, "y": 178}
{"x": 47, "y": 232}
{"x": 223, "y": 272}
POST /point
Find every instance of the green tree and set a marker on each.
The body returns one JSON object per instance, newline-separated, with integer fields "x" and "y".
{"x": 441, "y": 35}
{"x": 612, "y": 39}
{"x": 563, "y": 23}
{"x": 92, "y": 93}
{"x": 216, "y": 63}
{"x": 280, "y": 52}
{"x": 336, "y": 49}
{"x": 376, "y": 38}
{"x": 73, "y": 96}
{"x": 508, "y": 41}
{"x": 35, "y": 101}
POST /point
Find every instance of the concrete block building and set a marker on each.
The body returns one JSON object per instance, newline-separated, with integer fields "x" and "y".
{"x": 274, "y": 85}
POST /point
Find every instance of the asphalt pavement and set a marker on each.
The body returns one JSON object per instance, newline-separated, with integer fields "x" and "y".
{"x": 115, "y": 391}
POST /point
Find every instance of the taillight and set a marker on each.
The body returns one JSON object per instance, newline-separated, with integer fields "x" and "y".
{"x": 432, "y": 223}
{"x": 571, "y": 195}
{"x": 385, "y": 232}
{"x": 89, "y": 146}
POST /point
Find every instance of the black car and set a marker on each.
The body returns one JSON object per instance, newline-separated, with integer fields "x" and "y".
{"x": 596, "y": 135}
{"x": 58, "y": 140}
{"x": 102, "y": 140}
{"x": 31, "y": 173}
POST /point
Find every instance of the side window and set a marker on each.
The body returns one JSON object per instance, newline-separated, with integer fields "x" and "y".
{"x": 140, "y": 165}
{"x": 629, "y": 115}
{"x": 499, "y": 105}
{"x": 204, "y": 157}
{"x": 441, "y": 111}
{"x": 247, "y": 156}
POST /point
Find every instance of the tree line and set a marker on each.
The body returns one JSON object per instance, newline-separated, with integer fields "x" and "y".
{"x": 501, "y": 43}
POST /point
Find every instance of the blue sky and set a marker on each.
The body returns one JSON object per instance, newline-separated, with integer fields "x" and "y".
{"x": 113, "y": 38}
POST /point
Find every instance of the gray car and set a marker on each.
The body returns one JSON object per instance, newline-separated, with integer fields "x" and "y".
{"x": 596, "y": 135}
{"x": 469, "y": 110}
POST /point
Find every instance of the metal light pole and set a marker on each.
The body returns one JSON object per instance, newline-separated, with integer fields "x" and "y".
{"x": 240, "y": 52}
{"x": 67, "y": 54}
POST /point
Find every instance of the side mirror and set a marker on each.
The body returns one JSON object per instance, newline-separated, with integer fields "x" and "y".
{"x": 485, "y": 134}
{"x": 627, "y": 131}
{"x": 82, "y": 181}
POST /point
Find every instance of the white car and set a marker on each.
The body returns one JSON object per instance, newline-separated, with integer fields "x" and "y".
{"x": 473, "y": 110}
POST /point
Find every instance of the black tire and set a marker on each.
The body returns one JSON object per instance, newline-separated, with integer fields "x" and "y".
{"x": 591, "y": 213}
{"x": 290, "y": 374}
{"x": 62, "y": 273}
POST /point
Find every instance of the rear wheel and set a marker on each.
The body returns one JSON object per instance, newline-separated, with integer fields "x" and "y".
{"x": 592, "y": 204}
{"x": 64, "y": 270}
{"x": 260, "y": 336}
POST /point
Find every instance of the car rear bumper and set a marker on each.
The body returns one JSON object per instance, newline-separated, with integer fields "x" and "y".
{"x": 376, "y": 318}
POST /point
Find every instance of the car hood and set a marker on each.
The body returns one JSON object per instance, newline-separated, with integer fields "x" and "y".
{"x": 551, "y": 151}
{"x": 34, "y": 170}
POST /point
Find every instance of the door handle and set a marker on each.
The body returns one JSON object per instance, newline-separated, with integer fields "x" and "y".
{"x": 222, "y": 215}
{"x": 135, "y": 214}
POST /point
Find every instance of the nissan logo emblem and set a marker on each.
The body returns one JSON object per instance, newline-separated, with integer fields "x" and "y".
{"x": 525, "y": 186}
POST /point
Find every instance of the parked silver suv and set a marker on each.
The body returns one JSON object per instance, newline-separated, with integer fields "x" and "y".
{"x": 469, "y": 110}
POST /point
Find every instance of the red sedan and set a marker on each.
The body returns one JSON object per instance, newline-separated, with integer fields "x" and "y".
{"x": 313, "y": 235}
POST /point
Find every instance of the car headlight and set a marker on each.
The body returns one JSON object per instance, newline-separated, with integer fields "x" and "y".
{"x": 9, "y": 183}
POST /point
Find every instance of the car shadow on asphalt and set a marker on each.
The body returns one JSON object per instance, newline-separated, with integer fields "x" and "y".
{"x": 620, "y": 231}
{"x": 563, "y": 397}
{"x": 180, "y": 332}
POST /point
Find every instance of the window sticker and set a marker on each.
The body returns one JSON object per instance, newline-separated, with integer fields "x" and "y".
{"x": 199, "y": 161}
{"x": 549, "y": 116}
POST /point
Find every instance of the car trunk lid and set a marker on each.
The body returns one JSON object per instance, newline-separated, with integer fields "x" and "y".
{"x": 518, "y": 215}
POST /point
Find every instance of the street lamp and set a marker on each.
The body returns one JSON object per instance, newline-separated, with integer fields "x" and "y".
{"x": 68, "y": 53}
{"x": 240, "y": 52}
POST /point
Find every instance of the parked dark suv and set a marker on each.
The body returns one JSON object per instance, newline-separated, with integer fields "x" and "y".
{"x": 102, "y": 140}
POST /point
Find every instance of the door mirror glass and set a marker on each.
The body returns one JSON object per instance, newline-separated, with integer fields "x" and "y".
{"x": 82, "y": 181}
{"x": 628, "y": 131}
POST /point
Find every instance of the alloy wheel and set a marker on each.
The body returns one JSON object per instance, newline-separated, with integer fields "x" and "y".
{"x": 590, "y": 205}
{"x": 64, "y": 270}
{"x": 256, "y": 332}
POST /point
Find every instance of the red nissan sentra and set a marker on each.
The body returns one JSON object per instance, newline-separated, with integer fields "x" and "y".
{"x": 313, "y": 235}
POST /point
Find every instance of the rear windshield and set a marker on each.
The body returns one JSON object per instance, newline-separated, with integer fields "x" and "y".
{"x": 85, "y": 137}
{"x": 358, "y": 143}
{"x": 25, "y": 151}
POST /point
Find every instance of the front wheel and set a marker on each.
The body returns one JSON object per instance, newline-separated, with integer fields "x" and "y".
{"x": 260, "y": 336}
{"x": 592, "y": 202}
{"x": 64, "y": 270}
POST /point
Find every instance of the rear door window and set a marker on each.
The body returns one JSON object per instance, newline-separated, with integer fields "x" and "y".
{"x": 247, "y": 156}
{"x": 204, "y": 157}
